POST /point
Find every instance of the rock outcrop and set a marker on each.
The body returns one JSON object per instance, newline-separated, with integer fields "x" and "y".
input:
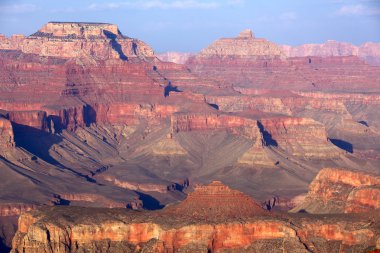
{"x": 93, "y": 118}
{"x": 339, "y": 190}
{"x": 301, "y": 137}
{"x": 369, "y": 51}
{"x": 257, "y": 63}
{"x": 214, "y": 218}
{"x": 245, "y": 45}
{"x": 6, "y": 134}
{"x": 216, "y": 201}
{"x": 75, "y": 39}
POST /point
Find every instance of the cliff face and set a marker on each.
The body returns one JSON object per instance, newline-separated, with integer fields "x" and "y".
{"x": 6, "y": 134}
{"x": 245, "y": 45}
{"x": 71, "y": 39}
{"x": 300, "y": 137}
{"x": 214, "y": 218}
{"x": 338, "y": 190}
{"x": 369, "y": 51}
{"x": 217, "y": 200}
{"x": 93, "y": 118}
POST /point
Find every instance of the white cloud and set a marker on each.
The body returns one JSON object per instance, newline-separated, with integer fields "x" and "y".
{"x": 161, "y": 4}
{"x": 358, "y": 10}
{"x": 18, "y": 8}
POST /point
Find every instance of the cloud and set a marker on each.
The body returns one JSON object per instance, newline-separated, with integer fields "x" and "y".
{"x": 358, "y": 10}
{"x": 18, "y": 8}
{"x": 161, "y": 4}
{"x": 288, "y": 16}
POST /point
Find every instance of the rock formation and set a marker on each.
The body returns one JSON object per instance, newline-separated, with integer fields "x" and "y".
{"x": 238, "y": 225}
{"x": 73, "y": 39}
{"x": 216, "y": 201}
{"x": 246, "y": 61}
{"x": 245, "y": 45}
{"x": 339, "y": 190}
{"x": 6, "y": 134}
{"x": 369, "y": 51}
{"x": 91, "y": 117}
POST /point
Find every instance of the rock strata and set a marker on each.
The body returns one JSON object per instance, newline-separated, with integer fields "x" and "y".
{"x": 342, "y": 191}
{"x": 211, "y": 227}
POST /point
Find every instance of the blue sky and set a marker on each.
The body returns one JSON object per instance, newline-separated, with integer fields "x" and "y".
{"x": 190, "y": 25}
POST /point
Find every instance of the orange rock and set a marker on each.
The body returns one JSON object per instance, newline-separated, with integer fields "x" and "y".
{"x": 339, "y": 190}
{"x": 6, "y": 134}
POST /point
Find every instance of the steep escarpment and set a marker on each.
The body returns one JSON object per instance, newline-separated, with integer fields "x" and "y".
{"x": 239, "y": 226}
{"x": 339, "y": 190}
{"x": 92, "y": 118}
{"x": 299, "y": 136}
{"x": 217, "y": 200}
{"x": 6, "y": 134}
{"x": 244, "y": 45}
{"x": 369, "y": 51}
{"x": 73, "y": 39}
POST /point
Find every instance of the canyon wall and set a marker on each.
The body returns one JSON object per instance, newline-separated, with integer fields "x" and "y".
{"x": 69, "y": 39}
{"x": 339, "y": 190}
{"x": 368, "y": 51}
{"x": 199, "y": 224}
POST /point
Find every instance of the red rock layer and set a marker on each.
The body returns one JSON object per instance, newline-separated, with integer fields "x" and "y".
{"x": 217, "y": 200}
{"x": 250, "y": 62}
{"x": 15, "y": 209}
{"x": 338, "y": 190}
{"x": 199, "y": 121}
{"x": 120, "y": 231}
{"x": 34, "y": 119}
{"x": 308, "y": 73}
{"x": 300, "y": 137}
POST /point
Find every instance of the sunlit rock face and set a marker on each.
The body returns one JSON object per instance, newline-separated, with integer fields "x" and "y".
{"x": 342, "y": 191}
{"x": 92, "y": 118}
{"x": 73, "y": 39}
{"x": 6, "y": 134}
{"x": 244, "y": 45}
{"x": 214, "y": 218}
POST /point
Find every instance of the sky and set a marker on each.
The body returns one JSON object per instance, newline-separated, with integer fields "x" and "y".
{"x": 190, "y": 25}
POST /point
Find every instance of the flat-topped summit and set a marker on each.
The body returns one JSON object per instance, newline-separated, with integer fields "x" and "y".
{"x": 244, "y": 45}
{"x": 246, "y": 34}
{"x": 217, "y": 200}
{"x": 77, "y": 29}
{"x": 79, "y": 39}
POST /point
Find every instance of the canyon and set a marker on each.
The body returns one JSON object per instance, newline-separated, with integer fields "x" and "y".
{"x": 91, "y": 121}
{"x": 202, "y": 224}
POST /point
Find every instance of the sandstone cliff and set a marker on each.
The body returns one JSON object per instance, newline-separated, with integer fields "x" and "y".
{"x": 369, "y": 51}
{"x": 239, "y": 226}
{"x": 6, "y": 135}
{"x": 73, "y": 39}
{"x": 339, "y": 190}
{"x": 245, "y": 45}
